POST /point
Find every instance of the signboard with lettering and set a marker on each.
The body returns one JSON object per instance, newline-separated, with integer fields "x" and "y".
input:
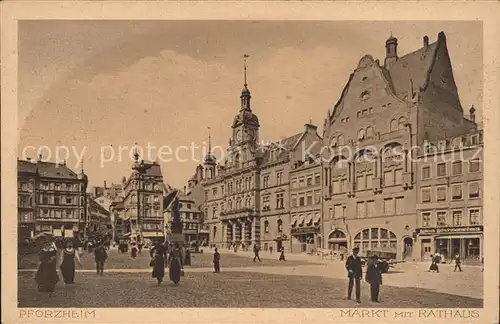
{"x": 449, "y": 230}
{"x": 305, "y": 230}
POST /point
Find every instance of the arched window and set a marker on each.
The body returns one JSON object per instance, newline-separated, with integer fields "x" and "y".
{"x": 266, "y": 226}
{"x": 394, "y": 125}
{"x": 280, "y": 225}
{"x": 361, "y": 134}
{"x": 221, "y": 206}
{"x": 369, "y": 132}
{"x": 230, "y": 204}
{"x": 134, "y": 199}
{"x": 340, "y": 163}
{"x": 340, "y": 140}
{"x": 376, "y": 238}
{"x": 401, "y": 123}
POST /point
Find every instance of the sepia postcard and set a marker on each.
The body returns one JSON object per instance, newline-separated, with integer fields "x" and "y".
{"x": 250, "y": 162}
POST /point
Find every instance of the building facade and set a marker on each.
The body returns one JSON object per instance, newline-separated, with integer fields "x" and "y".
{"x": 143, "y": 201}
{"x": 450, "y": 198}
{"x": 385, "y": 111}
{"x": 360, "y": 185}
{"x": 51, "y": 199}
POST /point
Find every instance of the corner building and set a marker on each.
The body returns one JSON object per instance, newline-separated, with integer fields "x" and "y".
{"x": 371, "y": 184}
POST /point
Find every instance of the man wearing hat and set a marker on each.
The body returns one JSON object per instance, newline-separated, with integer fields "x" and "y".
{"x": 355, "y": 274}
{"x": 374, "y": 277}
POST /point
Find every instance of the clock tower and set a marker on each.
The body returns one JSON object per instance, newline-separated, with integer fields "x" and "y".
{"x": 245, "y": 129}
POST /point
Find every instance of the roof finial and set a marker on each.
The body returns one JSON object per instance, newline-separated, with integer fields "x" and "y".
{"x": 209, "y": 141}
{"x": 81, "y": 165}
{"x": 136, "y": 154}
{"x": 245, "y": 56}
{"x": 310, "y": 120}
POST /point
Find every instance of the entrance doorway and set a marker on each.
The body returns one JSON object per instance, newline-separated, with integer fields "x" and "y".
{"x": 426, "y": 249}
{"x": 407, "y": 248}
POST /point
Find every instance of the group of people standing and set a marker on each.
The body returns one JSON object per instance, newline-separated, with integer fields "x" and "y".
{"x": 373, "y": 277}
{"x": 162, "y": 257}
{"x": 51, "y": 256}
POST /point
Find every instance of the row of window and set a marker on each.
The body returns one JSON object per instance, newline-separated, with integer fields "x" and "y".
{"x": 57, "y": 200}
{"x": 392, "y": 206}
{"x": 279, "y": 222}
{"x": 365, "y": 181}
{"x": 279, "y": 180}
{"x": 151, "y": 227}
{"x": 58, "y": 186}
{"x": 145, "y": 186}
{"x": 444, "y": 218}
{"x": 60, "y": 213}
{"x": 279, "y": 202}
{"x": 457, "y": 142}
{"x": 306, "y": 199}
{"x": 148, "y": 199}
{"x": 456, "y": 169}
{"x": 306, "y": 181}
{"x": 474, "y": 192}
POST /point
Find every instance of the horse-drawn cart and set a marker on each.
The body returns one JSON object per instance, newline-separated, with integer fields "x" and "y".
{"x": 386, "y": 258}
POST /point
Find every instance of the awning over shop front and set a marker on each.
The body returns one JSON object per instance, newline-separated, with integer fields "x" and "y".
{"x": 317, "y": 218}
{"x": 294, "y": 221}
{"x": 301, "y": 220}
{"x": 309, "y": 219}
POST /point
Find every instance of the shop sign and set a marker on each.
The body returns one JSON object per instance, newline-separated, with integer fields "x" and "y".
{"x": 304, "y": 230}
{"x": 449, "y": 230}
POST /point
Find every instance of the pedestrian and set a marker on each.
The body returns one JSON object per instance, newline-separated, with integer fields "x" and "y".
{"x": 133, "y": 249}
{"x": 158, "y": 263}
{"x": 46, "y": 276}
{"x": 175, "y": 265}
{"x": 355, "y": 274}
{"x": 458, "y": 262}
{"x": 187, "y": 257}
{"x": 482, "y": 264}
{"x": 90, "y": 246}
{"x": 282, "y": 254}
{"x": 256, "y": 253}
{"x": 100, "y": 256}
{"x": 69, "y": 256}
{"x": 270, "y": 250}
{"x": 216, "y": 261}
{"x": 374, "y": 278}
{"x": 434, "y": 263}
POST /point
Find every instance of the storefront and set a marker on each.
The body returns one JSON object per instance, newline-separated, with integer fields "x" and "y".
{"x": 465, "y": 241}
{"x": 304, "y": 238}
{"x": 337, "y": 241}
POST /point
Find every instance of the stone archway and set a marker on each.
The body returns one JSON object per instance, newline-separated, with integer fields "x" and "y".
{"x": 337, "y": 240}
{"x": 407, "y": 247}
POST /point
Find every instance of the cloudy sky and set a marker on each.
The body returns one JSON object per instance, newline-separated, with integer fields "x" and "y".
{"x": 96, "y": 86}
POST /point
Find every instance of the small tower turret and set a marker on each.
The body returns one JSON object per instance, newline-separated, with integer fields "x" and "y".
{"x": 391, "y": 51}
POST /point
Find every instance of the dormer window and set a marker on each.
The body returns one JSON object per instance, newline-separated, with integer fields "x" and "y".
{"x": 365, "y": 95}
{"x": 473, "y": 140}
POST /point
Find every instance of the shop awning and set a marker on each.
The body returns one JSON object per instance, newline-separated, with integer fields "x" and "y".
{"x": 301, "y": 220}
{"x": 457, "y": 236}
{"x": 294, "y": 221}
{"x": 317, "y": 218}
{"x": 309, "y": 219}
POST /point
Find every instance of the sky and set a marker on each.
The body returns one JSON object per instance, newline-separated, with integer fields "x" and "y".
{"x": 96, "y": 87}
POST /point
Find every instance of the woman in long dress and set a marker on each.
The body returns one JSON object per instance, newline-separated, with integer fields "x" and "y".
{"x": 46, "y": 277}
{"x": 68, "y": 257}
{"x": 175, "y": 265}
{"x": 158, "y": 263}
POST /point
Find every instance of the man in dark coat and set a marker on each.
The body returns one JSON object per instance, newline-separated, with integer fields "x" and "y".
{"x": 100, "y": 255}
{"x": 216, "y": 261}
{"x": 256, "y": 253}
{"x": 374, "y": 278}
{"x": 354, "y": 273}
{"x": 458, "y": 263}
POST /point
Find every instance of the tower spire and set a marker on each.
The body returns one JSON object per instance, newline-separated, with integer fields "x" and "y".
{"x": 245, "y": 56}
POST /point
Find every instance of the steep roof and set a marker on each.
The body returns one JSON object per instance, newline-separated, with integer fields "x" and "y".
{"x": 96, "y": 210}
{"x": 152, "y": 169}
{"x": 46, "y": 169}
{"x": 282, "y": 146}
{"x": 414, "y": 66}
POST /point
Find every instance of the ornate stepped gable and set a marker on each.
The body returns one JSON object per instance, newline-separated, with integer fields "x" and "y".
{"x": 414, "y": 68}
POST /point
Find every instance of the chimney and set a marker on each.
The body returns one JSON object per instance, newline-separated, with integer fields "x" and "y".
{"x": 426, "y": 42}
{"x": 472, "y": 112}
{"x": 310, "y": 128}
{"x": 105, "y": 184}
